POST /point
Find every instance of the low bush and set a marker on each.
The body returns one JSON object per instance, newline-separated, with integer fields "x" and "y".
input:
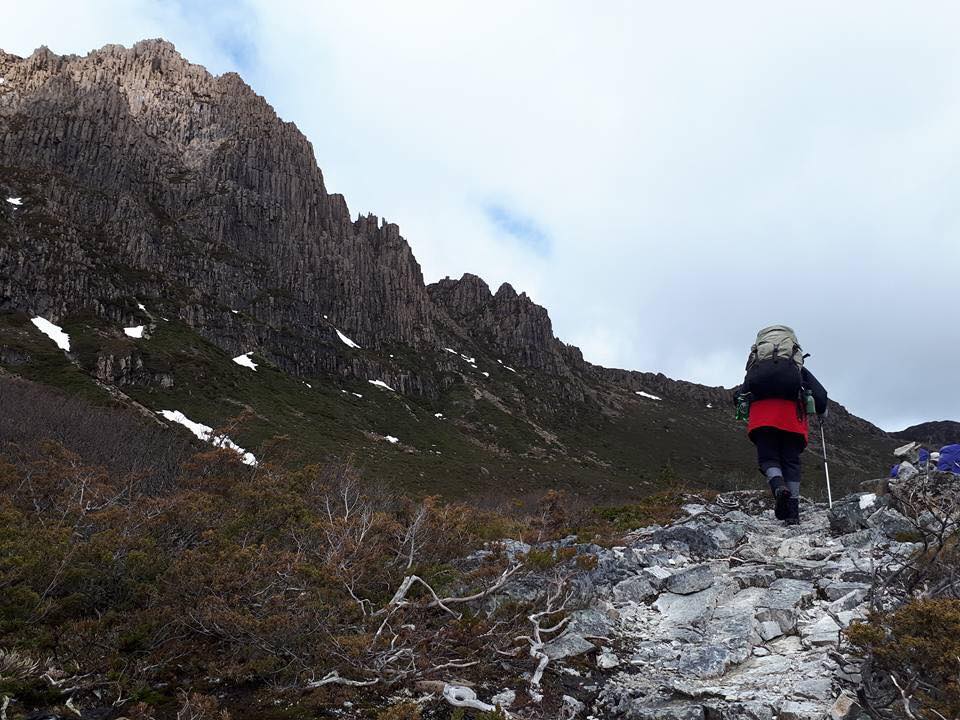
{"x": 919, "y": 645}
{"x": 257, "y": 578}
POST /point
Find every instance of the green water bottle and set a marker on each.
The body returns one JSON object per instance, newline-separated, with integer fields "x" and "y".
{"x": 811, "y": 405}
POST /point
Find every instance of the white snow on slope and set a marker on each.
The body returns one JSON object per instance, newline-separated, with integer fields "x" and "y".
{"x": 647, "y": 395}
{"x": 439, "y": 416}
{"x": 246, "y": 361}
{"x": 867, "y": 500}
{"x": 381, "y": 384}
{"x": 347, "y": 341}
{"x": 484, "y": 373}
{"x": 134, "y": 332}
{"x": 54, "y": 332}
{"x": 15, "y": 201}
{"x": 391, "y": 439}
{"x": 471, "y": 360}
{"x": 140, "y": 305}
{"x": 205, "y": 433}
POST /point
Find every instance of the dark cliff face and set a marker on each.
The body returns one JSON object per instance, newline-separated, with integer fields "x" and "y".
{"x": 146, "y": 177}
{"x": 511, "y": 325}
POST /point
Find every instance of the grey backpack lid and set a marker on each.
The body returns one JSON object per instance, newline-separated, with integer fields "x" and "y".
{"x": 774, "y": 342}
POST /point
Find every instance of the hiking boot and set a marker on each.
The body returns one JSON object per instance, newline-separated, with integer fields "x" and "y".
{"x": 782, "y": 497}
{"x": 792, "y": 516}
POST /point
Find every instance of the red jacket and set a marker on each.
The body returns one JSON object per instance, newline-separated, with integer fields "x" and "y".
{"x": 777, "y": 413}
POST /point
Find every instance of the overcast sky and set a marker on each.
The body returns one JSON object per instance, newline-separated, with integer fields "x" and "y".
{"x": 665, "y": 178}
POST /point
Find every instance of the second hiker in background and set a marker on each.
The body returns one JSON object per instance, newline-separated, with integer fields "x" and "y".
{"x": 777, "y": 396}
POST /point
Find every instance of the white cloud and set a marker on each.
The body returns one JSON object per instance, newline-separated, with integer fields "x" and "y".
{"x": 700, "y": 170}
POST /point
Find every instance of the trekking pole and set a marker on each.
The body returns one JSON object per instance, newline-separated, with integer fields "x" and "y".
{"x": 826, "y": 468}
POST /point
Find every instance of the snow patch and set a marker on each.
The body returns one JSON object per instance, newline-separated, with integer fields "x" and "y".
{"x": 54, "y": 332}
{"x": 15, "y": 201}
{"x": 134, "y": 332}
{"x": 381, "y": 384}
{"x": 485, "y": 374}
{"x": 235, "y": 312}
{"x": 140, "y": 305}
{"x": 347, "y": 341}
{"x": 439, "y": 416}
{"x": 205, "y": 433}
{"x": 308, "y": 384}
{"x": 471, "y": 360}
{"x": 867, "y": 500}
{"x": 246, "y": 361}
{"x": 357, "y": 395}
{"x": 709, "y": 405}
{"x": 641, "y": 393}
{"x": 391, "y": 439}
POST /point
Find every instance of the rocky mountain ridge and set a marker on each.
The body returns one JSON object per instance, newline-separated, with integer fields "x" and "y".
{"x": 934, "y": 434}
{"x": 147, "y": 182}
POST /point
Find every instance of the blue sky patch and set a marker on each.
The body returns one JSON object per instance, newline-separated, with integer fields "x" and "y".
{"x": 523, "y": 228}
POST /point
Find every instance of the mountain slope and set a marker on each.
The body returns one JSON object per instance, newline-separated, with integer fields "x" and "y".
{"x": 154, "y": 194}
{"x": 933, "y": 434}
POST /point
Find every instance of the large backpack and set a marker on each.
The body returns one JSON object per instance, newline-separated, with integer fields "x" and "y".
{"x": 774, "y": 365}
{"x": 774, "y": 343}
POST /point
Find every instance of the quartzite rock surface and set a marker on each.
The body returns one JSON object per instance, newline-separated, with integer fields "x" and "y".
{"x": 747, "y": 633}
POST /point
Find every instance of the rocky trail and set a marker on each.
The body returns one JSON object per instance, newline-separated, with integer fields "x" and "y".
{"x": 729, "y": 614}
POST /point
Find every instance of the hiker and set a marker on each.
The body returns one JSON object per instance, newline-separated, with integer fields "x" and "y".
{"x": 779, "y": 393}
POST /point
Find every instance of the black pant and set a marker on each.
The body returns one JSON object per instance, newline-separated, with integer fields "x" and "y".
{"x": 779, "y": 448}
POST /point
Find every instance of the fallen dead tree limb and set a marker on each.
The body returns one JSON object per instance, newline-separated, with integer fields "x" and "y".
{"x": 399, "y": 598}
{"x": 333, "y": 678}
{"x": 555, "y": 605}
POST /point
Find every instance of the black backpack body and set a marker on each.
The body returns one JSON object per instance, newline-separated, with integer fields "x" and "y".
{"x": 775, "y": 365}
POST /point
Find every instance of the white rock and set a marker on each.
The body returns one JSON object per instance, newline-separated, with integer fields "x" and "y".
{"x": 823, "y": 632}
{"x": 504, "y": 699}
{"x": 800, "y": 711}
{"x": 571, "y": 708}
{"x": 769, "y": 630}
{"x": 606, "y": 659}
